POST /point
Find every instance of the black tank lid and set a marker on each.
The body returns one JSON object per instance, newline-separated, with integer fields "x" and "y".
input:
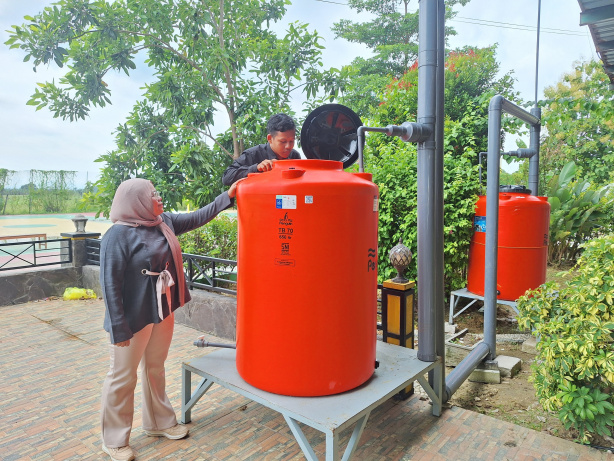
{"x": 330, "y": 133}
{"x": 514, "y": 189}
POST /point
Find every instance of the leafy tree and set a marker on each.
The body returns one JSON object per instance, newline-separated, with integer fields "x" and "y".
{"x": 394, "y": 168}
{"x": 5, "y": 176}
{"x": 470, "y": 82}
{"x": 392, "y": 36}
{"x": 49, "y": 190}
{"x": 206, "y": 56}
{"x": 577, "y": 115}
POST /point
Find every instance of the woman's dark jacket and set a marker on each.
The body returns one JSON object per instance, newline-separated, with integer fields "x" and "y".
{"x": 129, "y": 295}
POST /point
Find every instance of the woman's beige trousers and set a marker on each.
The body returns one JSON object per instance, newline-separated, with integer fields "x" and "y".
{"x": 149, "y": 347}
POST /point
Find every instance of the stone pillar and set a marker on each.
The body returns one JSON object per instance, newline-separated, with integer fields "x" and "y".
{"x": 79, "y": 253}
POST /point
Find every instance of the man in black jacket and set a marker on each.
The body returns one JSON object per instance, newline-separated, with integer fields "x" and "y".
{"x": 281, "y": 131}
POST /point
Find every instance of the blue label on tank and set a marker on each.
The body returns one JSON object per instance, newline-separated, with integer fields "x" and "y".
{"x": 278, "y": 202}
{"x": 479, "y": 223}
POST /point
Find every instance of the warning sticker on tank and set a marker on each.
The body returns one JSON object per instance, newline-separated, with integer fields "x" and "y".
{"x": 479, "y": 223}
{"x": 285, "y": 262}
{"x": 308, "y": 198}
{"x": 375, "y": 204}
{"x": 285, "y": 202}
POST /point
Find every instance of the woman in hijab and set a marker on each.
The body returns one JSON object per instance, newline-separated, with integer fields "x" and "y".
{"x": 142, "y": 279}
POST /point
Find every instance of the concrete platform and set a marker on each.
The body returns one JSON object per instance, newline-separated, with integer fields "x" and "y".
{"x": 54, "y": 359}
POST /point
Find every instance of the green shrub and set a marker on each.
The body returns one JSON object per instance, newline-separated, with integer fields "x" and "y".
{"x": 574, "y": 370}
{"x": 395, "y": 172}
{"x": 578, "y": 212}
{"x": 217, "y": 238}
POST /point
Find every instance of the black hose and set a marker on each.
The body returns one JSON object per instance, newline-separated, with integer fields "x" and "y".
{"x": 610, "y": 449}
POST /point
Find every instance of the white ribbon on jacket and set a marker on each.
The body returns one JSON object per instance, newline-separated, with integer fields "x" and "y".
{"x": 163, "y": 285}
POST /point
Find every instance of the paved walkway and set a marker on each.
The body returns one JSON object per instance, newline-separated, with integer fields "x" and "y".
{"x": 53, "y": 361}
{"x": 51, "y": 224}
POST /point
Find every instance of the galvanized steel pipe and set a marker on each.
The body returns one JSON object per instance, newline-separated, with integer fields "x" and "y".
{"x": 487, "y": 349}
{"x": 498, "y": 104}
{"x": 428, "y": 204}
{"x": 534, "y": 146}
{"x": 462, "y": 371}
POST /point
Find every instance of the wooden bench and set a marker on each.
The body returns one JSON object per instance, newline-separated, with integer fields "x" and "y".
{"x": 33, "y": 237}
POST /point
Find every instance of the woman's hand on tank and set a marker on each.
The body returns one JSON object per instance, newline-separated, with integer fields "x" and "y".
{"x": 123, "y": 343}
{"x": 233, "y": 189}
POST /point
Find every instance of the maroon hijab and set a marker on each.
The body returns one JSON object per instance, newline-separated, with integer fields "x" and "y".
{"x": 133, "y": 206}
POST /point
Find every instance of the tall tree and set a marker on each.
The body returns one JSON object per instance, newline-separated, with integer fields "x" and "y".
{"x": 392, "y": 36}
{"x": 470, "y": 81}
{"x": 578, "y": 122}
{"x": 206, "y": 56}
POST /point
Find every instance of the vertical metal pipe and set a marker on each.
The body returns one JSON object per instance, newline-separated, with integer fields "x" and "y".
{"x": 360, "y": 139}
{"x": 539, "y": 11}
{"x": 492, "y": 221}
{"x": 535, "y": 131}
{"x": 440, "y": 340}
{"x": 488, "y": 347}
{"x": 427, "y": 206}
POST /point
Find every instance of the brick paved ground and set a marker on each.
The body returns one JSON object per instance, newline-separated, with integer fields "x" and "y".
{"x": 53, "y": 361}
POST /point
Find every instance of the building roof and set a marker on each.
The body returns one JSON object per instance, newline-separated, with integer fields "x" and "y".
{"x": 598, "y": 15}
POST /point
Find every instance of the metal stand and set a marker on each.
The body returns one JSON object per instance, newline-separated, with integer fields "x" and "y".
{"x": 398, "y": 367}
{"x": 464, "y": 293}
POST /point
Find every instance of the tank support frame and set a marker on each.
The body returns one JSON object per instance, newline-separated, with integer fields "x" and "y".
{"x": 330, "y": 414}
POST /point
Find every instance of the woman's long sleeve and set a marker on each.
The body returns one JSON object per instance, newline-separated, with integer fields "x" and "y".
{"x": 113, "y": 261}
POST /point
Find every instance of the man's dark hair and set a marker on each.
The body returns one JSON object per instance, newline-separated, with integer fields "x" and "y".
{"x": 280, "y": 123}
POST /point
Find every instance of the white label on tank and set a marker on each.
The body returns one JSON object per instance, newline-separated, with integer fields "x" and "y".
{"x": 375, "y": 204}
{"x": 308, "y": 198}
{"x": 285, "y": 202}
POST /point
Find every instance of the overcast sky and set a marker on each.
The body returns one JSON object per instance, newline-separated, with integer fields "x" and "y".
{"x": 35, "y": 140}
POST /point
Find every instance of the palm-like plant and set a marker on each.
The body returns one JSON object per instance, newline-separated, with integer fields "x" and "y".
{"x": 577, "y": 214}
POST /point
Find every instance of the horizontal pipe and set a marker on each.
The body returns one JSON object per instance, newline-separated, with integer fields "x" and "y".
{"x": 408, "y": 132}
{"x": 523, "y": 153}
{"x": 498, "y": 102}
{"x": 203, "y": 343}
{"x": 462, "y": 371}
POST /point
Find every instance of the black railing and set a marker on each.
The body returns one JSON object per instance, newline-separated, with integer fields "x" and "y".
{"x": 379, "y": 308}
{"x": 20, "y": 255}
{"x": 212, "y": 274}
{"x": 92, "y": 252}
{"x": 204, "y": 272}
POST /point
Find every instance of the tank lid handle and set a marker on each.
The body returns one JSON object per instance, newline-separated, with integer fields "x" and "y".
{"x": 292, "y": 173}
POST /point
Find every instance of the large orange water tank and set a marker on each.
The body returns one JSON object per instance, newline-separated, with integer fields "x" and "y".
{"x": 307, "y": 278}
{"x": 522, "y": 250}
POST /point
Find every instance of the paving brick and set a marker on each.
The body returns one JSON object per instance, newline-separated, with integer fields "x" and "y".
{"x": 55, "y": 357}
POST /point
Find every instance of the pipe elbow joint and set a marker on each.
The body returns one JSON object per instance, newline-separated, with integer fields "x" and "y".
{"x": 410, "y": 131}
{"x": 526, "y": 153}
{"x": 496, "y": 103}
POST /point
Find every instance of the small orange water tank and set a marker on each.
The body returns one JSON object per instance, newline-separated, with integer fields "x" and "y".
{"x": 522, "y": 250}
{"x": 307, "y": 278}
